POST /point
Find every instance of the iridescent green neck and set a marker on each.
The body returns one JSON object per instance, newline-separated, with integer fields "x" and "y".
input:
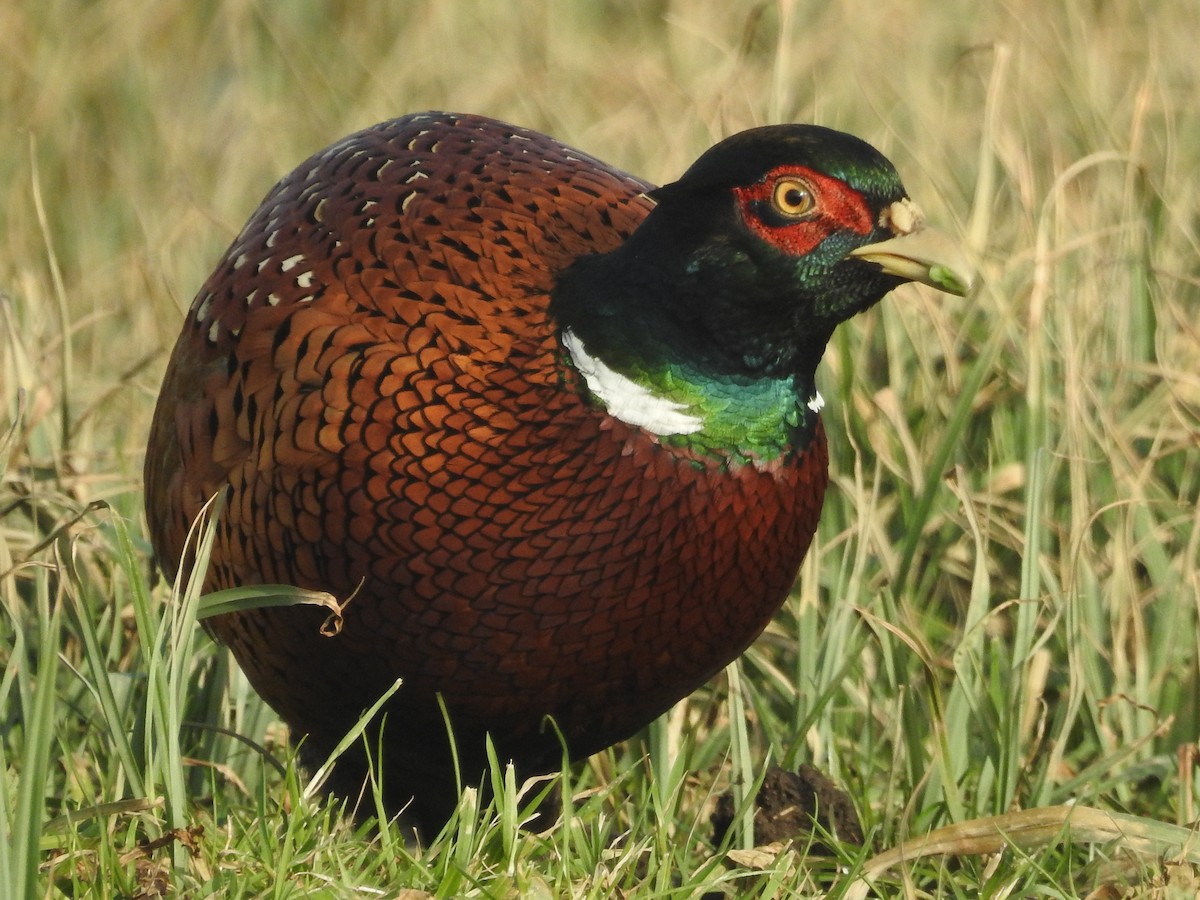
{"x": 756, "y": 423}
{"x": 731, "y": 419}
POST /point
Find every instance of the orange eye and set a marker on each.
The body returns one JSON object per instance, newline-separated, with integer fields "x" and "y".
{"x": 792, "y": 198}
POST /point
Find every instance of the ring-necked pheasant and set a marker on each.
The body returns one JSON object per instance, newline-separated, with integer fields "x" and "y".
{"x": 555, "y": 429}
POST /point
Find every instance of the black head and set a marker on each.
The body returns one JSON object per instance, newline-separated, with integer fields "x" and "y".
{"x": 745, "y": 263}
{"x": 747, "y": 157}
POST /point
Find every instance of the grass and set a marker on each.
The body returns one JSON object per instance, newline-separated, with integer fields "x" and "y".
{"x": 1000, "y": 613}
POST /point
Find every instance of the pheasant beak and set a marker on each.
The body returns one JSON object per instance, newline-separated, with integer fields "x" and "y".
{"x": 918, "y": 252}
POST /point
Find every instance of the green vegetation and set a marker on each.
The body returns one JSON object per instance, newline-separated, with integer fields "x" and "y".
{"x": 999, "y": 613}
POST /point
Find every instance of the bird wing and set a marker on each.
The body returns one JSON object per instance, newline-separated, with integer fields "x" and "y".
{"x": 393, "y": 286}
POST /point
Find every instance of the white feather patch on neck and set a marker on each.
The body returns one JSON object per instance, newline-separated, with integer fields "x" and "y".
{"x": 627, "y": 400}
{"x": 816, "y": 402}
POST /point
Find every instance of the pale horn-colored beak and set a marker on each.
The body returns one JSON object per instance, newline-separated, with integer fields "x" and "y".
{"x": 918, "y": 252}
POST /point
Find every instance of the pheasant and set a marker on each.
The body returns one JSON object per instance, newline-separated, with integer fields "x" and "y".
{"x": 553, "y": 429}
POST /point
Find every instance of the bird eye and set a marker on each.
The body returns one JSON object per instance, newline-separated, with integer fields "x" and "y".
{"x": 792, "y": 198}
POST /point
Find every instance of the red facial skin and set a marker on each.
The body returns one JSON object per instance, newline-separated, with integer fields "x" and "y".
{"x": 834, "y": 206}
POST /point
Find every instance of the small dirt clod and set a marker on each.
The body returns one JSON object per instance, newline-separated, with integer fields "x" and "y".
{"x": 802, "y": 806}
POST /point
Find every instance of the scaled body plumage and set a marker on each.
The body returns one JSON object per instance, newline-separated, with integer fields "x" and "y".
{"x": 394, "y": 374}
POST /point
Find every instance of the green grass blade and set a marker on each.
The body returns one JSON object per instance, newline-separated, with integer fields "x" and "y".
{"x": 39, "y": 724}
{"x": 949, "y": 443}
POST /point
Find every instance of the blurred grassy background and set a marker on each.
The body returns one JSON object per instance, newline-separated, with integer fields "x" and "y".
{"x": 1001, "y": 610}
